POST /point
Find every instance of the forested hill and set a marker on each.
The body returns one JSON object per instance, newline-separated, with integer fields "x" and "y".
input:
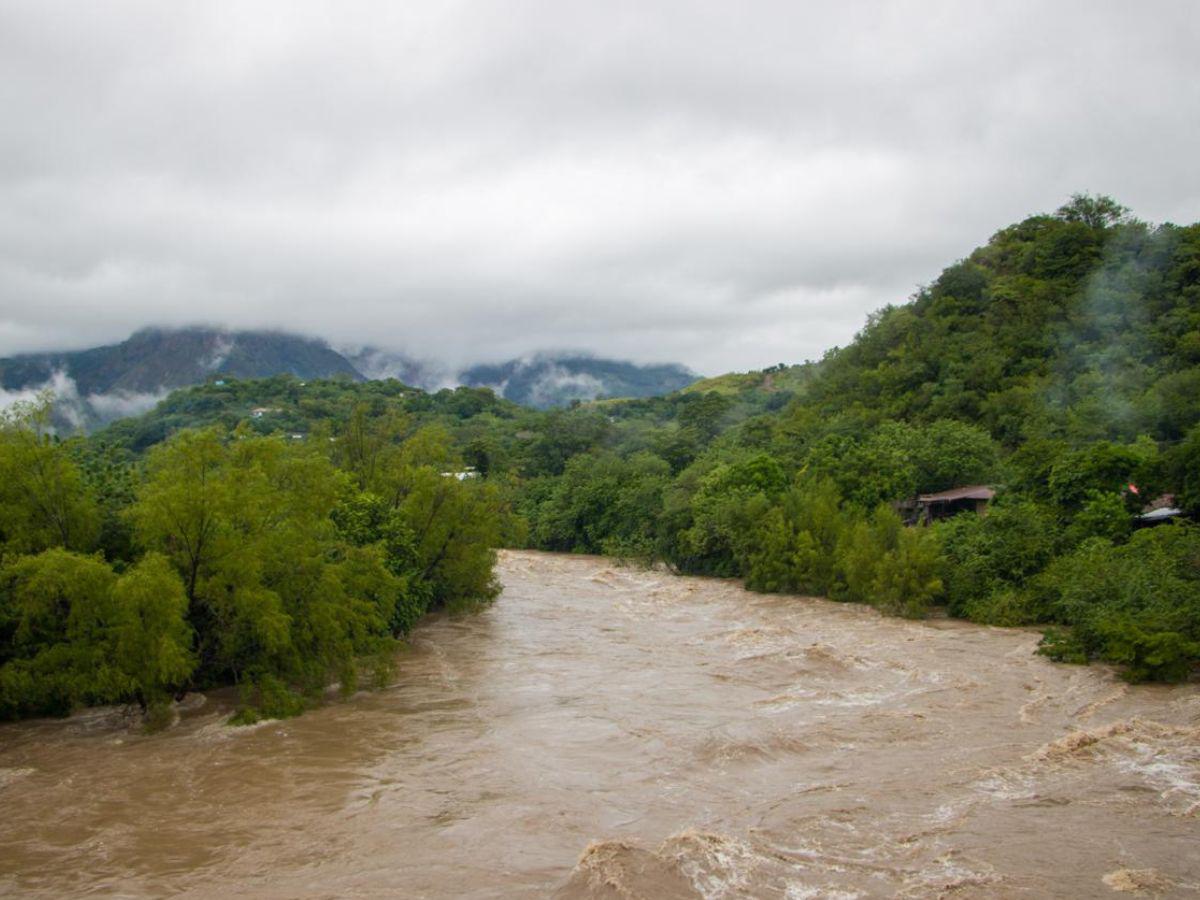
{"x": 1081, "y": 325}
{"x": 1070, "y": 328}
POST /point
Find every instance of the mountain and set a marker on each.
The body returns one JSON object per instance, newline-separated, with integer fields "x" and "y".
{"x": 541, "y": 381}
{"x": 101, "y": 384}
{"x": 546, "y": 381}
{"x": 105, "y": 383}
{"x": 155, "y": 359}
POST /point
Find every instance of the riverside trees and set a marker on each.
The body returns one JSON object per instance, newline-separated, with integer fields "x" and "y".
{"x": 253, "y": 561}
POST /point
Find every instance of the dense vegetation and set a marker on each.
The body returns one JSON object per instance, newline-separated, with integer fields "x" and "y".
{"x": 1059, "y": 363}
{"x": 226, "y": 557}
{"x": 279, "y": 534}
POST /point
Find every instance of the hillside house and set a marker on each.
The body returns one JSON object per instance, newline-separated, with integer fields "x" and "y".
{"x": 1158, "y": 511}
{"x": 926, "y": 508}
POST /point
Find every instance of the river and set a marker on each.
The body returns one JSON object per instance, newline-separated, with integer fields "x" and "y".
{"x": 613, "y": 732}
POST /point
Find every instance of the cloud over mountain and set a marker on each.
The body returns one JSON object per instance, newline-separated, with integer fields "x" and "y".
{"x": 727, "y": 186}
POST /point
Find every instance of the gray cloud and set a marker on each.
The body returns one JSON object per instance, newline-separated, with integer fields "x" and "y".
{"x": 726, "y": 185}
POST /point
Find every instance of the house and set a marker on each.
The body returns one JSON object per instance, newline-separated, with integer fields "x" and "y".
{"x": 259, "y": 411}
{"x": 1156, "y": 512}
{"x": 926, "y": 508}
{"x": 468, "y": 472}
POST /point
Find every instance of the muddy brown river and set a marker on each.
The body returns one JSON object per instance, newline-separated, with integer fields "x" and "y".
{"x": 613, "y": 732}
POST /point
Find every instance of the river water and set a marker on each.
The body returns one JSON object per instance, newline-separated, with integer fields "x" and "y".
{"x": 613, "y": 732}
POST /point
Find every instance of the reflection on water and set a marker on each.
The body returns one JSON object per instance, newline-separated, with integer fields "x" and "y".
{"x": 607, "y": 732}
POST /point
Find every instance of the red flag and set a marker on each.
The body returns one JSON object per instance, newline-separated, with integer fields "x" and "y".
{"x": 1133, "y": 488}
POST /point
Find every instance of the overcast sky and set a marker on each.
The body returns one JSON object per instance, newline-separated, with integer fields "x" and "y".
{"x": 726, "y": 185}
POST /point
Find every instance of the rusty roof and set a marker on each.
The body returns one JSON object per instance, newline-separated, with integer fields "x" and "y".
{"x": 970, "y": 492}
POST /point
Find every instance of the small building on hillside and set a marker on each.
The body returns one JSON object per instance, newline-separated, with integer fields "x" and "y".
{"x": 1158, "y": 511}
{"x": 926, "y": 508}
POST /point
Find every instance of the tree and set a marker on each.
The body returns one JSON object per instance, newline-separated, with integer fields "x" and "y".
{"x": 248, "y": 523}
{"x": 455, "y": 526}
{"x": 59, "y": 614}
{"x": 1184, "y": 465}
{"x": 1094, "y": 211}
{"x": 44, "y": 501}
{"x": 153, "y": 640}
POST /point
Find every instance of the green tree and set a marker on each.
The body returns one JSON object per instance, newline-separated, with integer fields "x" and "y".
{"x": 44, "y": 501}
{"x": 153, "y": 640}
{"x": 59, "y": 613}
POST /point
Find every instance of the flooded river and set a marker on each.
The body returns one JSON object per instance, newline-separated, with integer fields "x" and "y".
{"x": 611, "y": 732}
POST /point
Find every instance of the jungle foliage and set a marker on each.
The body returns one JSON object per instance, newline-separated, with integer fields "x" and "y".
{"x": 228, "y": 557}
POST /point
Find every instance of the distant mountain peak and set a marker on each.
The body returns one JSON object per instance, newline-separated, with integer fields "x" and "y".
{"x": 101, "y": 384}
{"x": 105, "y": 383}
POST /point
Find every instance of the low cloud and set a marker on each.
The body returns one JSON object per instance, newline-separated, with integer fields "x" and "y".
{"x": 724, "y": 187}
{"x": 555, "y": 383}
{"x": 73, "y": 411}
{"x": 119, "y": 404}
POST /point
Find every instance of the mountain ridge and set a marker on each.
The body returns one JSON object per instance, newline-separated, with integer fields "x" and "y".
{"x": 101, "y": 384}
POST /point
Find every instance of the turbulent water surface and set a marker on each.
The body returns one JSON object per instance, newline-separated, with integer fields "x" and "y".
{"x": 609, "y": 732}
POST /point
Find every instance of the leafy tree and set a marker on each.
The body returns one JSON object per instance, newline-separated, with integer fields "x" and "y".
{"x": 1136, "y": 604}
{"x": 59, "y": 613}
{"x": 153, "y": 640}
{"x": 1095, "y": 212}
{"x": 906, "y": 579}
{"x": 44, "y": 501}
{"x": 1184, "y": 465}
{"x": 795, "y": 548}
{"x": 247, "y": 524}
{"x": 990, "y": 554}
{"x": 1102, "y": 515}
{"x": 729, "y": 500}
{"x": 456, "y": 526}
